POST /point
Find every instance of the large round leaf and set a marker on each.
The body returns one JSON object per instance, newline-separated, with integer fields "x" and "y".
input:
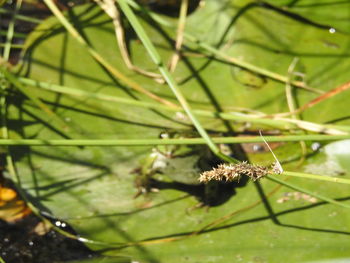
{"x": 92, "y": 188}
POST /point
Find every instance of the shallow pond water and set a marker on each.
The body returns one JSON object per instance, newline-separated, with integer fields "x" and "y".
{"x": 19, "y": 243}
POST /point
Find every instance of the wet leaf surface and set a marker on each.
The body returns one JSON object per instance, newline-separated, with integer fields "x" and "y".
{"x": 92, "y": 188}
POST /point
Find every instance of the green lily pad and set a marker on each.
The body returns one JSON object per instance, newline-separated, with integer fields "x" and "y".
{"x": 92, "y": 188}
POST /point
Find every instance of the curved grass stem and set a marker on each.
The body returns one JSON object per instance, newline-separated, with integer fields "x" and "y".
{"x": 14, "y": 81}
{"x": 220, "y": 54}
{"x": 116, "y": 73}
{"x": 248, "y": 66}
{"x": 112, "y": 11}
{"x": 276, "y": 122}
{"x": 169, "y": 78}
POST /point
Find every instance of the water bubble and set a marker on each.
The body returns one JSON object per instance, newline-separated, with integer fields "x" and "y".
{"x": 82, "y": 239}
{"x": 315, "y": 146}
{"x": 332, "y": 30}
{"x": 258, "y": 148}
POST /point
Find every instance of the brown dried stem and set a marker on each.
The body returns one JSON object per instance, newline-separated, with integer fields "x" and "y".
{"x": 112, "y": 11}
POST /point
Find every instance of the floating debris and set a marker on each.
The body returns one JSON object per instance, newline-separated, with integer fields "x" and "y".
{"x": 12, "y": 208}
{"x": 297, "y": 196}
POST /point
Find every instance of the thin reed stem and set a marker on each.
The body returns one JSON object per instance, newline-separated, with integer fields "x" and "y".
{"x": 303, "y": 190}
{"x": 182, "y": 141}
{"x": 116, "y": 73}
{"x": 280, "y": 123}
{"x": 10, "y": 32}
{"x": 220, "y": 54}
{"x": 169, "y": 78}
{"x": 318, "y": 177}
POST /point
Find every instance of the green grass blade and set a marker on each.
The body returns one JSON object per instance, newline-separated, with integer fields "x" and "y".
{"x": 116, "y": 73}
{"x": 17, "y": 182}
{"x": 16, "y": 46}
{"x": 280, "y": 123}
{"x": 216, "y": 52}
{"x": 318, "y": 177}
{"x": 182, "y": 141}
{"x": 303, "y": 190}
{"x": 13, "y": 80}
{"x": 85, "y": 94}
{"x": 248, "y": 66}
{"x": 17, "y": 35}
{"x": 234, "y": 116}
{"x": 21, "y": 17}
{"x": 10, "y": 32}
{"x": 168, "y": 78}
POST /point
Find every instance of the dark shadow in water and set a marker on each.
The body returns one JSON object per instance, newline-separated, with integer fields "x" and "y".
{"x": 138, "y": 210}
{"x": 223, "y": 194}
{"x": 170, "y": 8}
{"x": 338, "y": 119}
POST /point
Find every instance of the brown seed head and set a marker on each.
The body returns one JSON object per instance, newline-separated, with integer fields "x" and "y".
{"x": 232, "y": 172}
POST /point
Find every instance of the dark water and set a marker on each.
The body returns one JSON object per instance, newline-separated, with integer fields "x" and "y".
{"x": 20, "y": 244}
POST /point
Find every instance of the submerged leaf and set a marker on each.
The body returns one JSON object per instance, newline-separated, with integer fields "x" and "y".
{"x": 12, "y": 208}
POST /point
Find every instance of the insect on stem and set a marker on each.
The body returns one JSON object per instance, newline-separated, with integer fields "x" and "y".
{"x": 277, "y": 167}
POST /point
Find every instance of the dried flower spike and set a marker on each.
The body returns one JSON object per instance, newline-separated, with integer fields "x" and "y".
{"x": 232, "y": 172}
